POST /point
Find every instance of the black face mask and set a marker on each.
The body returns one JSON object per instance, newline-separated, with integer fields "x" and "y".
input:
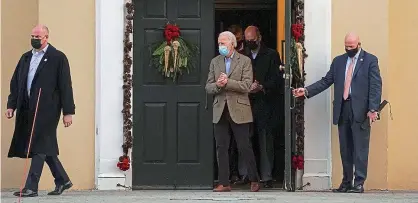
{"x": 36, "y": 43}
{"x": 351, "y": 53}
{"x": 239, "y": 43}
{"x": 253, "y": 45}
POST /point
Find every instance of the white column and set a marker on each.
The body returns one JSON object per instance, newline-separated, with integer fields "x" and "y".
{"x": 109, "y": 94}
{"x": 318, "y": 109}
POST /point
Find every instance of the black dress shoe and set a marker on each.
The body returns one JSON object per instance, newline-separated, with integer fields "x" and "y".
{"x": 242, "y": 181}
{"x": 17, "y": 193}
{"x": 234, "y": 179}
{"x": 356, "y": 189}
{"x": 342, "y": 188}
{"x": 268, "y": 184}
{"x": 60, "y": 188}
{"x": 26, "y": 193}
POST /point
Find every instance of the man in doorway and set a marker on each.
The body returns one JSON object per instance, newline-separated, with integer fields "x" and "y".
{"x": 237, "y": 31}
{"x": 46, "y": 68}
{"x": 264, "y": 94}
{"x": 237, "y": 166}
{"x": 229, "y": 80}
{"x": 357, "y": 94}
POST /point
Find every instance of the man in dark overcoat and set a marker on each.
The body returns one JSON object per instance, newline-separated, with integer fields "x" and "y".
{"x": 43, "y": 69}
{"x": 264, "y": 96}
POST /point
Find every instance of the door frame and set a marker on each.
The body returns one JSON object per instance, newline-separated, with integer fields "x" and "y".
{"x": 289, "y": 176}
{"x": 108, "y": 67}
{"x": 106, "y": 177}
{"x": 283, "y": 36}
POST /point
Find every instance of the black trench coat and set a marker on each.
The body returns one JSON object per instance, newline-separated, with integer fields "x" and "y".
{"x": 266, "y": 68}
{"x": 53, "y": 76}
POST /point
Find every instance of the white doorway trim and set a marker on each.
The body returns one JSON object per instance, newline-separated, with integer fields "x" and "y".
{"x": 318, "y": 163}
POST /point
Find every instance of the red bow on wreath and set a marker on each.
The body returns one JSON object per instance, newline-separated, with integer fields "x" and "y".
{"x": 297, "y": 31}
{"x": 171, "y": 32}
{"x": 298, "y": 162}
{"x": 124, "y": 163}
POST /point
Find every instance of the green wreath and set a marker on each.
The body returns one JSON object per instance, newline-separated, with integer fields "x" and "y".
{"x": 174, "y": 56}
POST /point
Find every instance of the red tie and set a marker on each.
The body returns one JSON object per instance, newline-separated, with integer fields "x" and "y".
{"x": 348, "y": 78}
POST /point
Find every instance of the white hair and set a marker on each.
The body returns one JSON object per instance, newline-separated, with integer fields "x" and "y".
{"x": 230, "y": 36}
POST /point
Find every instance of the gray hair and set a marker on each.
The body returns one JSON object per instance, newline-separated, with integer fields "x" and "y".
{"x": 230, "y": 36}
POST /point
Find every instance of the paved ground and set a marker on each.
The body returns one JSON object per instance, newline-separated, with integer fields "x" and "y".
{"x": 207, "y": 196}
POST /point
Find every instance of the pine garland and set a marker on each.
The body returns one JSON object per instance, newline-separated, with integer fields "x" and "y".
{"x": 298, "y": 80}
{"x": 124, "y": 160}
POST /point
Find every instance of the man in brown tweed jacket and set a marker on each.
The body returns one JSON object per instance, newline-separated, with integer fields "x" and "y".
{"x": 229, "y": 79}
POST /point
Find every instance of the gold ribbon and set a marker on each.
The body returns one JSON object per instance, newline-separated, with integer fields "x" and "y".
{"x": 299, "y": 51}
{"x": 167, "y": 50}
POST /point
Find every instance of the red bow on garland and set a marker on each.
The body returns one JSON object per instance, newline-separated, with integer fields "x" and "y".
{"x": 297, "y": 31}
{"x": 298, "y": 162}
{"x": 124, "y": 163}
{"x": 171, "y": 32}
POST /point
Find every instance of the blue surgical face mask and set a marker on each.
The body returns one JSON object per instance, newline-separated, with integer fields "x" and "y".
{"x": 223, "y": 50}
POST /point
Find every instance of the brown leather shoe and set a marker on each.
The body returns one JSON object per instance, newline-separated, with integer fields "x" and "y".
{"x": 255, "y": 186}
{"x": 221, "y": 188}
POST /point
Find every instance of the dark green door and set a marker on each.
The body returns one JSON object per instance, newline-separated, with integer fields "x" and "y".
{"x": 173, "y": 135}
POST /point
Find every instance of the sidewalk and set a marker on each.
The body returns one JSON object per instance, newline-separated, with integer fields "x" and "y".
{"x": 208, "y": 196}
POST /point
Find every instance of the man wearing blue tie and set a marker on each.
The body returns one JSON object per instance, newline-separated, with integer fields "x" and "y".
{"x": 357, "y": 95}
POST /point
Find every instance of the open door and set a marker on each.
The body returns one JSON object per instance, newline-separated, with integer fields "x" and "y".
{"x": 289, "y": 178}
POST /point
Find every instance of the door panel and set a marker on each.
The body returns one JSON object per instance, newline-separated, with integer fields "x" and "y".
{"x": 173, "y": 135}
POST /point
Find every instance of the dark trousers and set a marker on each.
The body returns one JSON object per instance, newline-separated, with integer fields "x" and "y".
{"x": 266, "y": 151}
{"x": 354, "y": 146}
{"x": 262, "y": 130}
{"x": 241, "y": 133}
{"x": 233, "y": 158}
{"x": 236, "y": 164}
{"x": 36, "y": 167}
{"x": 37, "y": 163}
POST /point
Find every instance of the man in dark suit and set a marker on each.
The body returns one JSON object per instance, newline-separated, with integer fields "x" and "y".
{"x": 357, "y": 94}
{"x": 264, "y": 96}
{"x": 229, "y": 80}
{"x": 46, "y": 68}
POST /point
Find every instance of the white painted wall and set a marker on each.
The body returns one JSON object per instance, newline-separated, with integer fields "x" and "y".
{"x": 318, "y": 109}
{"x": 109, "y": 70}
{"x": 109, "y": 94}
